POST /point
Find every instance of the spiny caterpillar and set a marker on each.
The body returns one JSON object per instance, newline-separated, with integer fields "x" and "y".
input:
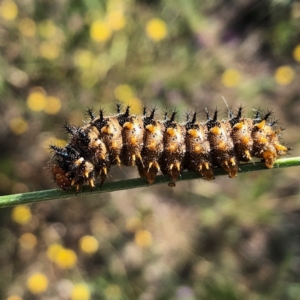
{"x": 163, "y": 146}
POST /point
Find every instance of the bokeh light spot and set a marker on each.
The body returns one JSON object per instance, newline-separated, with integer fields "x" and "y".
{"x": 66, "y": 258}
{"x": 123, "y": 92}
{"x": 8, "y": 10}
{"x": 49, "y": 50}
{"x": 116, "y": 20}
{"x": 231, "y": 78}
{"x": 296, "y": 53}
{"x": 284, "y": 75}
{"x": 80, "y": 292}
{"x": 18, "y": 125}
{"x": 135, "y": 105}
{"x": 100, "y": 31}
{"x": 21, "y": 214}
{"x": 27, "y": 27}
{"x": 47, "y": 29}
{"x": 28, "y": 241}
{"x": 113, "y": 292}
{"x": 14, "y": 297}
{"x": 88, "y": 244}
{"x": 36, "y": 100}
{"x": 53, "y": 105}
{"x": 83, "y": 59}
{"x": 156, "y": 29}
{"x": 53, "y": 251}
{"x": 37, "y": 283}
{"x": 133, "y": 224}
{"x": 143, "y": 238}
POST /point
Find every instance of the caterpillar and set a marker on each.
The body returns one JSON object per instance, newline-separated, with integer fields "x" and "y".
{"x": 164, "y": 146}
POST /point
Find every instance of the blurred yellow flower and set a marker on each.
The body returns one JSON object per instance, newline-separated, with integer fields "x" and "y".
{"x": 88, "y": 244}
{"x": 51, "y": 140}
{"x": 296, "y": 53}
{"x": 143, "y": 238}
{"x": 133, "y": 224}
{"x": 36, "y": 100}
{"x": 135, "y": 105}
{"x": 156, "y": 29}
{"x": 66, "y": 259}
{"x": 8, "y": 10}
{"x": 21, "y": 214}
{"x": 27, "y": 27}
{"x": 284, "y": 75}
{"x": 18, "y": 125}
{"x": 53, "y": 105}
{"x": 37, "y": 283}
{"x": 49, "y": 50}
{"x": 123, "y": 92}
{"x": 115, "y": 5}
{"x": 231, "y": 78}
{"x": 113, "y": 292}
{"x": 83, "y": 59}
{"x": 47, "y": 29}
{"x": 14, "y": 297}
{"x": 53, "y": 251}
{"x": 80, "y": 292}
{"x": 100, "y": 31}
{"x": 28, "y": 241}
{"x": 116, "y": 20}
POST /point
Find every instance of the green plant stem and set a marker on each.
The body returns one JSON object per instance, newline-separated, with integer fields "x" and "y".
{"x": 34, "y": 197}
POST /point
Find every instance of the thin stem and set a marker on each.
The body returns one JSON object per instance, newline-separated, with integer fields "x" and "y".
{"x": 34, "y": 197}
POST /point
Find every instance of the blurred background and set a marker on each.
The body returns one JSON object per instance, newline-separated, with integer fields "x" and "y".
{"x": 224, "y": 239}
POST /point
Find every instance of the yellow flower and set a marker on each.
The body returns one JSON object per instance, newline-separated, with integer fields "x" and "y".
{"x": 47, "y": 29}
{"x": 135, "y": 105}
{"x": 296, "y": 53}
{"x": 100, "y": 31}
{"x": 83, "y": 59}
{"x": 14, "y": 297}
{"x": 36, "y": 100}
{"x": 113, "y": 292}
{"x": 88, "y": 244}
{"x": 53, "y": 250}
{"x": 116, "y": 20}
{"x": 28, "y": 241}
{"x": 37, "y": 283}
{"x": 115, "y": 5}
{"x": 53, "y": 105}
{"x": 53, "y": 141}
{"x": 123, "y": 92}
{"x": 284, "y": 75}
{"x": 49, "y": 50}
{"x": 66, "y": 258}
{"x": 133, "y": 224}
{"x": 18, "y": 125}
{"x": 156, "y": 29}
{"x": 80, "y": 292}
{"x": 27, "y": 27}
{"x": 143, "y": 238}
{"x": 21, "y": 214}
{"x": 231, "y": 78}
{"x": 8, "y": 10}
